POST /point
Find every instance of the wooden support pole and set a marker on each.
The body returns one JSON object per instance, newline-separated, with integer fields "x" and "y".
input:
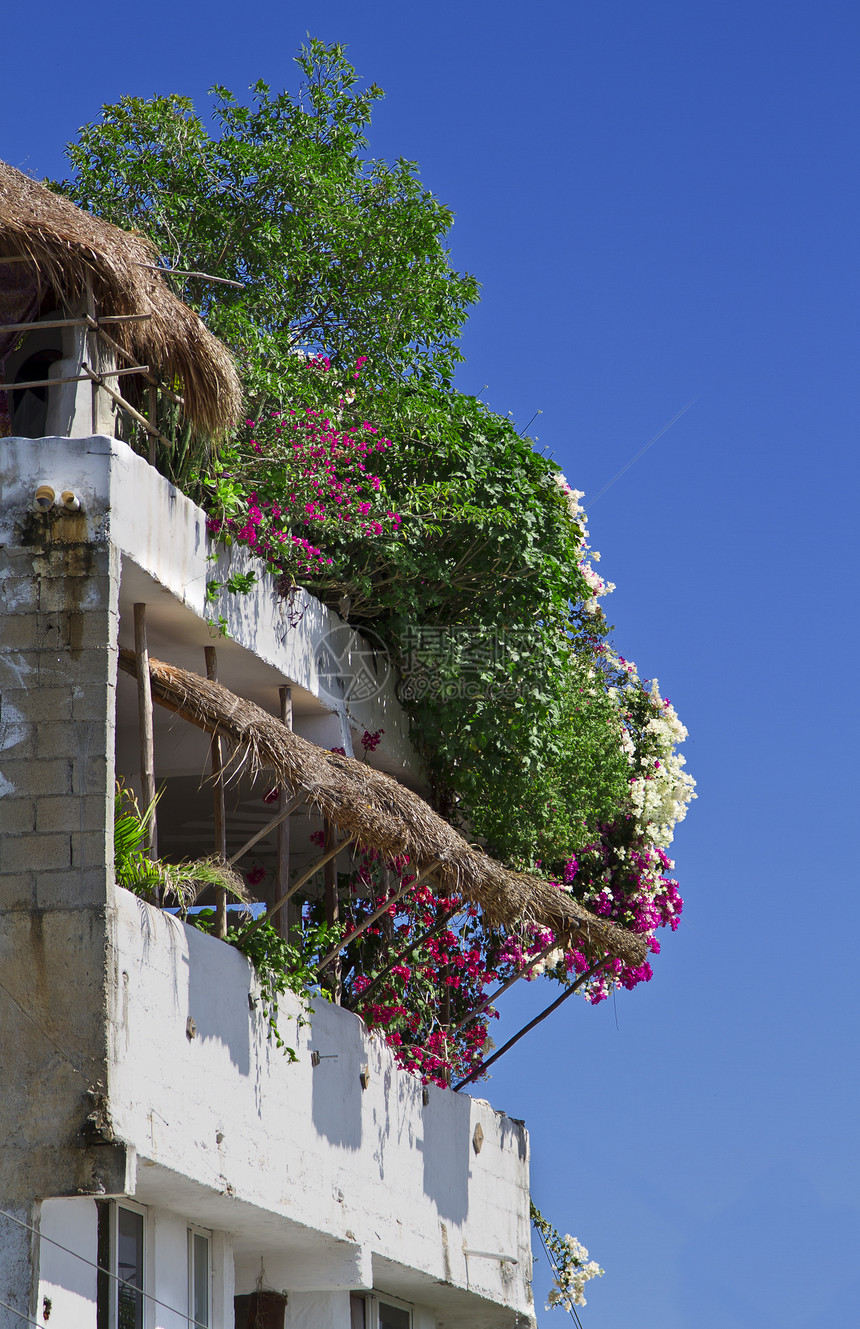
{"x": 144, "y": 709}
{"x": 299, "y": 883}
{"x": 568, "y": 992}
{"x": 73, "y": 378}
{"x": 380, "y": 978}
{"x": 445, "y": 1013}
{"x": 377, "y": 913}
{"x": 288, "y": 921}
{"x": 332, "y": 906}
{"x": 269, "y": 826}
{"x": 126, "y": 406}
{"x": 217, "y": 766}
{"x": 93, "y": 351}
{"x": 515, "y": 978}
{"x": 152, "y": 396}
{"x": 88, "y": 321}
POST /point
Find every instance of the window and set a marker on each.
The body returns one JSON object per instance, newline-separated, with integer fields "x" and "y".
{"x": 198, "y": 1280}
{"x": 394, "y": 1316}
{"x": 370, "y": 1312}
{"x": 127, "y": 1254}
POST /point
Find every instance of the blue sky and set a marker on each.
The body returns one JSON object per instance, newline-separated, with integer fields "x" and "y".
{"x": 661, "y": 202}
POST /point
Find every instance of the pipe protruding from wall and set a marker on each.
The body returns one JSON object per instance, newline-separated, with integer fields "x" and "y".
{"x": 70, "y": 500}
{"x": 43, "y": 499}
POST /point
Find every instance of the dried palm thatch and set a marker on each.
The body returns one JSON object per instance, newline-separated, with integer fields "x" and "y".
{"x": 67, "y": 246}
{"x": 378, "y": 811}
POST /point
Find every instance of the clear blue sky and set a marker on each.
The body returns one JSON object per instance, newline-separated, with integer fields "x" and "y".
{"x": 661, "y": 201}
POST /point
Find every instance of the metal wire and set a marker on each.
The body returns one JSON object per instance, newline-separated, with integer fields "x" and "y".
{"x": 572, "y": 1311}
{"x": 100, "y": 1268}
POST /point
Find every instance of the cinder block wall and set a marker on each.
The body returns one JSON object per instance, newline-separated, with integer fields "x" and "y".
{"x": 58, "y": 632}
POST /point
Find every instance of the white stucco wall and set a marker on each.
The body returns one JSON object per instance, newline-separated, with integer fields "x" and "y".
{"x": 67, "y": 1281}
{"x": 328, "y": 1180}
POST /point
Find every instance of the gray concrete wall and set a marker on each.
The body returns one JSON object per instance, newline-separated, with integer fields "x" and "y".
{"x": 58, "y": 627}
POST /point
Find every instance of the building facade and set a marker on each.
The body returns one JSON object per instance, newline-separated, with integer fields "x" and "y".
{"x": 163, "y": 1162}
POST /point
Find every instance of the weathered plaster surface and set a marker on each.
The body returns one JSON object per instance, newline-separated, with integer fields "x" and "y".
{"x": 296, "y": 1149}
{"x": 102, "y": 1090}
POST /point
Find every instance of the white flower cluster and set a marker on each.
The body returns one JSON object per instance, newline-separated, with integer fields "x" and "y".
{"x": 660, "y": 789}
{"x": 661, "y": 793}
{"x": 575, "y": 1271}
{"x": 576, "y": 512}
{"x": 572, "y": 497}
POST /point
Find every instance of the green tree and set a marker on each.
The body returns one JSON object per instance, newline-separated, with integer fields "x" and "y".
{"x": 336, "y": 253}
{"x": 477, "y": 595}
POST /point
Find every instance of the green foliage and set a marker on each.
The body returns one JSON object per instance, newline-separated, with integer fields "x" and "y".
{"x": 160, "y": 880}
{"x": 133, "y": 868}
{"x": 335, "y": 252}
{"x": 282, "y": 966}
{"x": 478, "y": 596}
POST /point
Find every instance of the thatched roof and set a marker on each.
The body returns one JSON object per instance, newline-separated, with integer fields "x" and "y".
{"x": 380, "y": 812}
{"x": 66, "y": 245}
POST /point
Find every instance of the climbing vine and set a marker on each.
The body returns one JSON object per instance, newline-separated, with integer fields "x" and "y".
{"x": 571, "y": 1266}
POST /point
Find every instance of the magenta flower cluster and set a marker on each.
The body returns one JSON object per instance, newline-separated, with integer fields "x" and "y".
{"x": 305, "y": 483}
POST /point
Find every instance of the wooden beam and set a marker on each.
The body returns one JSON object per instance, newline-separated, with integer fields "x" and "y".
{"x": 287, "y": 923}
{"x": 127, "y": 406}
{"x": 127, "y": 355}
{"x": 380, "y": 978}
{"x": 144, "y": 711}
{"x": 45, "y": 323}
{"x": 182, "y": 272}
{"x": 269, "y": 826}
{"x": 75, "y": 378}
{"x": 377, "y": 913}
{"x": 299, "y": 883}
{"x": 217, "y": 767}
{"x": 568, "y": 992}
{"x": 152, "y": 398}
{"x": 332, "y": 905}
{"x": 88, "y": 321}
{"x": 494, "y": 996}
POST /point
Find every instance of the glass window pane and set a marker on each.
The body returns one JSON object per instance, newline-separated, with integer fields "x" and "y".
{"x": 358, "y": 1319}
{"x": 394, "y": 1317}
{"x": 129, "y": 1268}
{"x": 200, "y": 1281}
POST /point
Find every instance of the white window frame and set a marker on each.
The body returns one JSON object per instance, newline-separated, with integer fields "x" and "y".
{"x": 207, "y": 1237}
{"x": 133, "y": 1208}
{"x": 372, "y": 1301}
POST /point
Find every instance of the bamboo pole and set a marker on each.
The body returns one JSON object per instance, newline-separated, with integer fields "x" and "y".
{"x": 568, "y": 992}
{"x": 269, "y": 826}
{"x": 217, "y": 767}
{"x": 286, "y": 923}
{"x": 127, "y": 406}
{"x": 144, "y": 710}
{"x": 299, "y": 883}
{"x": 182, "y": 272}
{"x": 86, "y": 321}
{"x": 92, "y": 350}
{"x": 120, "y": 350}
{"x": 150, "y": 451}
{"x": 380, "y": 978}
{"x": 494, "y": 996}
{"x": 332, "y": 906}
{"x": 377, "y": 913}
{"x": 74, "y": 378}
